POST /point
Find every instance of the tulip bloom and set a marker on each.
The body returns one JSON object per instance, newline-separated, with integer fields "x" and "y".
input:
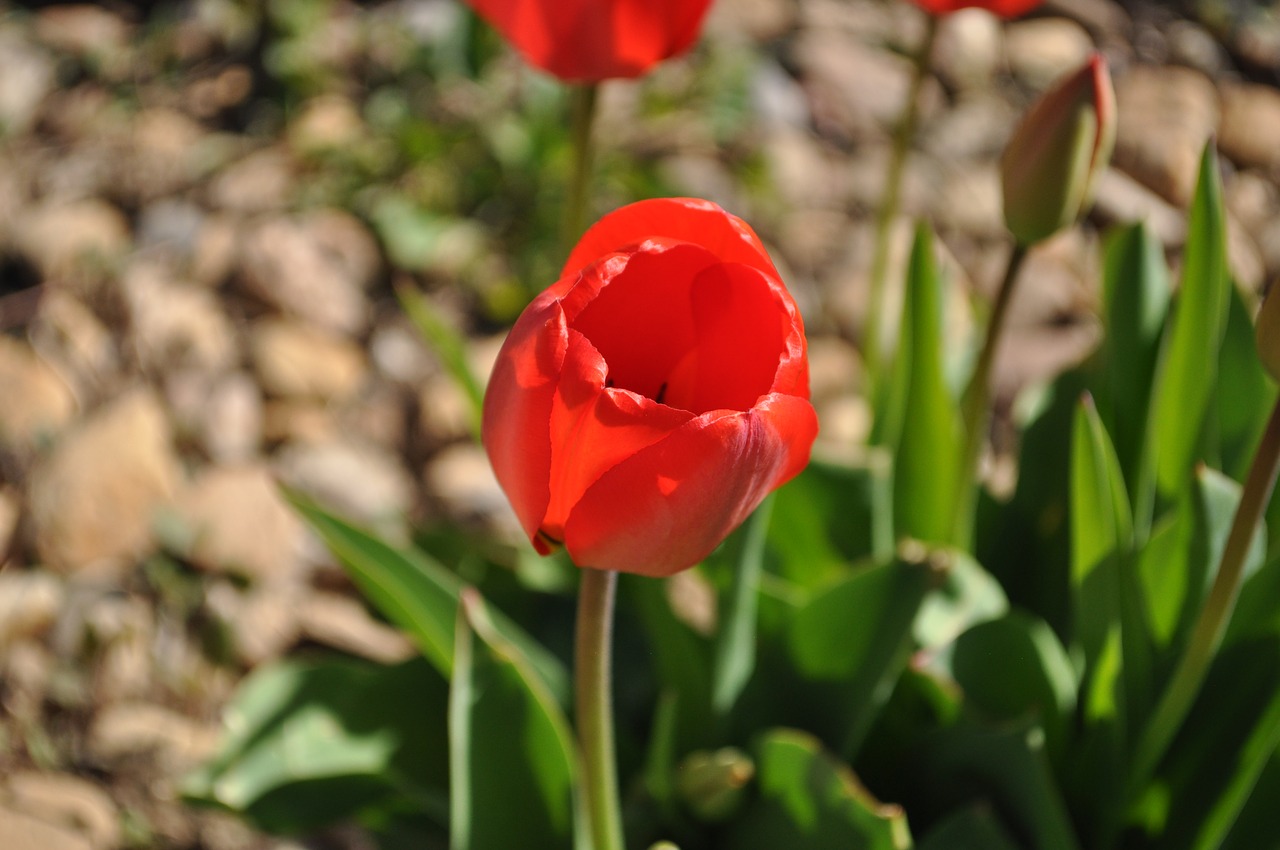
{"x": 1003, "y": 8}
{"x": 1056, "y": 155}
{"x": 594, "y": 40}
{"x": 646, "y": 403}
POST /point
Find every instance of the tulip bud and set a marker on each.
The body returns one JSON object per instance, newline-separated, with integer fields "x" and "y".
{"x": 1052, "y": 163}
{"x": 1267, "y": 333}
{"x": 712, "y": 784}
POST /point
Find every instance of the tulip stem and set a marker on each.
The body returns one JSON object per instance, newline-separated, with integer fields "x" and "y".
{"x": 582, "y": 121}
{"x": 594, "y": 706}
{"x": 1209, "y": 629}
{"x": 976, "y": 403}
{"x": 890, "y": 201}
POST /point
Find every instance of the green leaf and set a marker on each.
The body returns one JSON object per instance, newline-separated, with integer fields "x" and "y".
{"x": 1256, "y": 825}
{"x": 971, "y": 828}
{"x": 1229, "y": 738}
{"x": 967, "y": 595}
{"x": 1033, "y": 680}
{"x": 415, "y": 593}
{"x": 1005, "y": 769}
{"x": 1245, "y": 393}
{"x": 831, "y": 515}
{"x": 309, "y": 744}
{"x": 1180, "y": 562}
{"x": 1101, "y": 533}
{"x": 735, "y": 643}
{"x": 806, "y": 798}
{"x": 927, "y": 461}
{"x": 1136, "y": 304}
{"x": 850, "y": 643}
{"x": 1186, "y": 377}
{"x": 512, "y": 758}
{"x": 449, "y": 345}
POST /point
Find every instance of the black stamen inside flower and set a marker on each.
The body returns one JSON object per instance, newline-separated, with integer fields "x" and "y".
{"x": 662, "y": 391}
{"x": 608, "y": 383}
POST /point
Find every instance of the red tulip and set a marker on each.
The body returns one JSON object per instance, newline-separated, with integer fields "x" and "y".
{"x": 645, "y": 404}
{"x": 593, "y": 40}
{"x": 1003, "y": 8}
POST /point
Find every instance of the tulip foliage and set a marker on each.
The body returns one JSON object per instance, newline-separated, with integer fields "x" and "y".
{"x": 1094, "y": 663}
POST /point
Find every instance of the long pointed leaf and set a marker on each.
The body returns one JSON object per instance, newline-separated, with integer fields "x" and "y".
{"x": 1187, "y": 376}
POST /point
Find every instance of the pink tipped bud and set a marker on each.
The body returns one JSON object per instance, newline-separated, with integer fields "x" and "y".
{"x": 1052, "y": 163}
{"x": 1267, "y": 332}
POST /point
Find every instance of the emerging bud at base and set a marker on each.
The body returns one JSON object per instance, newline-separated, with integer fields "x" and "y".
{"x": 1052, "y": 163}
{"x": 712, "y": 783}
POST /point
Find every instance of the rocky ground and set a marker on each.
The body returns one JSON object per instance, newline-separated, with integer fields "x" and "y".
{"x": 205, "y": 211}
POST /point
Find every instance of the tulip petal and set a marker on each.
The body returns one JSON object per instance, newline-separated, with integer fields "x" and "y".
{"x": 594, "y": 429}
{"x": 516, "y": 427}
{"x": 667, "y": 507}
{"x": 593, "y": 39}
{"x": 677, "y": 219}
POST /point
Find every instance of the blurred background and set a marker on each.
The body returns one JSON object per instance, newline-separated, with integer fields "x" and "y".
{"x": 207, "y": 209}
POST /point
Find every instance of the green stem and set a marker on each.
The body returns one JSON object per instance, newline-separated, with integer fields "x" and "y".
{"x": 1206, "y": 637}
{"x": 890, "y": 201}
{"x": 975, "y": 406}
{"x": 582, "y": 120}
{"x": 594, "y": 706}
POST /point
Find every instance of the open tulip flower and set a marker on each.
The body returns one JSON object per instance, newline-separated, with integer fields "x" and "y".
{"x": 646, "y": 403}
{"x": 1003, "y": 8}
{"x": 594, "y": 40}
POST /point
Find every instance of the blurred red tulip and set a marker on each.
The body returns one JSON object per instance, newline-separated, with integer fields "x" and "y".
{"x": 647, "y": 402}
{"x": 593, "y": 40}
{"x": 1003, "y": 8}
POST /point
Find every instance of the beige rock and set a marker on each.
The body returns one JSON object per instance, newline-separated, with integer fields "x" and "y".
{"x": 161, "y": 153}
{"x": 215, "y": 252}
{"x": 263, "y": 622}
{"x": 293, "y": 359}
{"x": 968, "y": 49}
{"x": 833, "y": 367}
{"x": 239, "y": 523}
{"x": 1041, "y": 50}
{"x": 1250, "y": 125}
{"x": 71, "y": 337}
{"x": 856, "y": 89}
{"x": 175, "y": 325}
{"x": 67, "y": 801}
{"x": 326, "y": 123}
{"x": 970, "y": 200}
{"x": 805, "y": 173}
{"x": 344, "y": 624}
{"x": 461, "y": 477}
{"x": 132, "y": 729}
{"x": 294, "y": 420}
{"x": 91, "y": 502}
{"x": 287, "y": 263}
{"x": 231, "y": 428}
{"x": 751, "y": 20}
{"x": 73, "y": 239}
{"x": 1122, "y": 200}
{"x": 82, "y": 29}
{"x": 1166, "y": 115}
{"x": 27, "y": 74}
{"x": 38, "y": 403}
{"x": 359, "y": 480}
{"x": 261, "y": 181}
{"x": 22, "y": 831}
{"x": 29, "y": 604}
{"x": 124, "y": 630}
